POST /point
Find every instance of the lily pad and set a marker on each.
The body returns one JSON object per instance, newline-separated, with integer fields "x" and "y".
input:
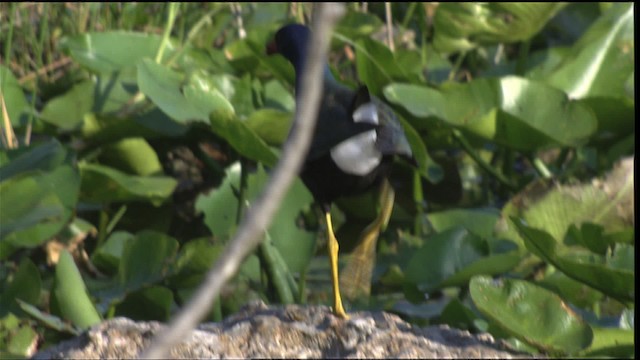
{"x": 104, "y": 184}
{"x": 515, "y": 112}
{"x": 531, "y": 313}
{"x": 464, "y": 26}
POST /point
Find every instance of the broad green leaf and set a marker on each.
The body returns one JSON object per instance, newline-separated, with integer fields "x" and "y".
{"x": 111, "y": 51}
{"x": 276, "y": 96}
{"x": 452, "y": 257}
{"x": 133, "y": 156}
{"x": 602, "y": 60}
{"x": 151, "y": 303}
{"x": 21, "y": 341}
{"x": 356, "y": 24}
{"x": 67, "y": 111}
{"x": 104, "y": 184}
{"x": 211, "y": 93}
{"x": 590, "y": 269}
{"x": 573, "y": 291}
{"x": 427, "y": 167}
{"x": 295, "y": 244}
{"x": 71, "y": 294}
{"x": 196, "y": 256}
{"x": 376, "y": 65}
{"x": 45, "y": 156}
{"x": 270, "y": 125}
{"x": 146, "y": 259}
{"x": 240, "y": 136}
{"x": 36, "y": 205}
{"x": 107, "y": 257}
{"x": 164, "y": 87}
{"x": 25, "y": 286}
{"x": 607, "y": 202}
{"x": 532, "y": 314}
{"x": 464, "y": 26}
{"x": 512, "y": 111}
{"x": 480, "y": 222}
{"x": 13, "y": 96}
{"x": 611, "y": 342}
{"x": 100, "y": 129}
{"x": 278, "y": 271}
{"x": 616, "y": 118}
{"x": 458, "y": 316}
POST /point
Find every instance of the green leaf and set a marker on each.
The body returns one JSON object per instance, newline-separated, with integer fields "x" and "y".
{"x": 612, "y": 342}
{"x": 532, "y": 314}
{"x": 464, "y": 26}
{"x": 197, "y": 256}
{"x": 26, "y": 286}
{"x": 36, "y": 205}
{"x": 278, "y": 97}
{"x": 452, "y": 257}
{"x": 45, "y": 156}
{"x": 51, "y": 321}
{"x": 590, "y": 270}
{"x": 13, "y": 96}
{"x": 67, "y": 111}
{"x": 543, "y": 204}
{"x": 111, "y": 51}
{"x": 133, "y": 156}
{"x": 480, "y": 222}
{"x": 571, "y": 290}
{"x": 271, "y": 125}
{"x": 107, "y": 257}
{"x": 240, "y": 136}
{"x": 356, "y": 24}
{"x": 71, "y": 294}
{"x": 522, "y": 114}
{"x": 278, "y": 271}
{"x": 22, "y": 341}
{"x": 146, "y": 259}
{"x": 602, "y": 60}
{"x": 104, "y": 184}
{"x": 295, "y": 244}
{"x": 427, "y": 167}
{"x": 152, "y": 303}
{"x": 376, "y": 65}
{"x": 164, "y": 87}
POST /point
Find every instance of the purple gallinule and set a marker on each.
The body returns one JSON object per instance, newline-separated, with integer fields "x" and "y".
{"x": 355, "y": 140}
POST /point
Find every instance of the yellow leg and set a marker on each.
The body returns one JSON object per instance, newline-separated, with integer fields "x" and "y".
{"x": 338, "y": 310}
{"x": 356, "y": 277}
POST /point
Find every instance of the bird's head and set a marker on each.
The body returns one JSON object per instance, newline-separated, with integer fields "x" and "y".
{"x": 291, "y": 41}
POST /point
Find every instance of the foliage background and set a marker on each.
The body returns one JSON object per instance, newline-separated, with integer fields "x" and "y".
{"x": 134, "y": 136}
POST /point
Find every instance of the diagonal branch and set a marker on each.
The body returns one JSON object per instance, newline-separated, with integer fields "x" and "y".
{"x": 260, "y": 215}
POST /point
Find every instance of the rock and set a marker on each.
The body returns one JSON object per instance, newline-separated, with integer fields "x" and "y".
{"x": 292, "y": 331}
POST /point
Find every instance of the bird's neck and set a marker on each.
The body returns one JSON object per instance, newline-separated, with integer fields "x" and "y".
{"x": 327, "y": 76}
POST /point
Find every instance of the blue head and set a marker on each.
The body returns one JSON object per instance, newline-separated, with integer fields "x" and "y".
{"x": 291, "y": 42}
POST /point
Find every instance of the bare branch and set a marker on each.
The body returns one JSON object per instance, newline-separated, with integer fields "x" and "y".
{"x": 259, "y": 216}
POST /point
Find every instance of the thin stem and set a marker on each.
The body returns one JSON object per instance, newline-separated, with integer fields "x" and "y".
{"x": 457, "y": 65}
{"x": 409, "y": 14}
{"x": 171, "y": 18}
{"x": 418, "y": 199}
{"x": 483, "y": 164}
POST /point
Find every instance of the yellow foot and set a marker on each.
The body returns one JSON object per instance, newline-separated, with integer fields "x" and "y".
{"x": 338, "y": 310}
